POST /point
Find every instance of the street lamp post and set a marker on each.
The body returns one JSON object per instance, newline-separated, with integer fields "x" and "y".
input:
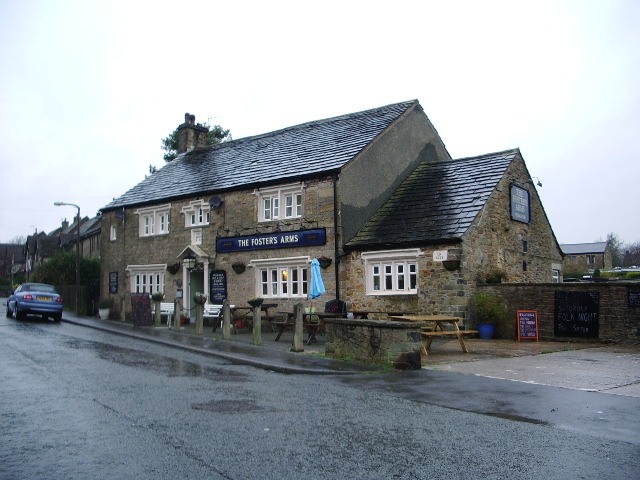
{"x": 59, "y": 204}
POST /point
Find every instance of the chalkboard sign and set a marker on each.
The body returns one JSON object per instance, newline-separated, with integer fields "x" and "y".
{"x": 141, "y": 307}
{"x": 633, "y": 298}
{"x": 113, "y": 282}
{"x": 577, "y": 314}
{"x": 527, "y": 325}
{"x": 217, "y": 286}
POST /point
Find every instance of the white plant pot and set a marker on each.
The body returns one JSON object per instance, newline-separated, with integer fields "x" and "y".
{"x": 104, "y": 313}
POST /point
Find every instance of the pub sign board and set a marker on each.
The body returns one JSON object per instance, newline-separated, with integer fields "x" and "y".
{"x": 577, "y": 314}
{"x": 298, "y": 238}
{"x": 217, "y": 286}
{"x": 113, "y": 282}
{"x": 141, "y": 309}
{"x": 633, "y": 298}
{"x": 520, "y": 204}
{"x": 527, "y": 325}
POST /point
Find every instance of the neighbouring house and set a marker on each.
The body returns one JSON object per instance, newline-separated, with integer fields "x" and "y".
{"x": 586, "y": 257}
{"x": 374, "y": 194}
{"x": 41, "y": 246}
{"x": 12, "y": 262}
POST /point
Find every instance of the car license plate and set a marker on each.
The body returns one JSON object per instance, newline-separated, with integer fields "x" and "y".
{"x": 43, "y": 299}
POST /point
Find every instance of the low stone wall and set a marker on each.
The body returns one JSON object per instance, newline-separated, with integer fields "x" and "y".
{"x": 619, "y": 313}
{"x": 380, "y": 342}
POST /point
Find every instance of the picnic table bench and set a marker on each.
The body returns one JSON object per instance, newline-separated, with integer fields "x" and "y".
{"x": 439, "y": 322}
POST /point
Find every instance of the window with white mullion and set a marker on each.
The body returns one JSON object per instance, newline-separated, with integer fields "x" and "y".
{"x": 153, "y": 220}
{"x": 288, "y": 281}
{"x": 391, "y": 272}
{"x": 280, "y": 203}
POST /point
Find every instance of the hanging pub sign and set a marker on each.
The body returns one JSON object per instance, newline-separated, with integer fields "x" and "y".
{"x": 300, "y": 238}
{"x": 520, "y": 204}
{"x": 217, "y": 286}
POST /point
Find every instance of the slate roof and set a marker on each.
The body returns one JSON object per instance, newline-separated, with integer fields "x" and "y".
{"x": 12, "y": 250}
{"x": 437, "y": 202}
{"x": 304, "y": 150}
{"x": 583, "y": 248}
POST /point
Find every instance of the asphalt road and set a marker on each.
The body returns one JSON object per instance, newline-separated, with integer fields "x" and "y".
{"x": 76, "y": 403}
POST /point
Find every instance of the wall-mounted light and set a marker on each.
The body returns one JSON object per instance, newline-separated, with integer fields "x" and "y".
{"x": 189, "y": 261}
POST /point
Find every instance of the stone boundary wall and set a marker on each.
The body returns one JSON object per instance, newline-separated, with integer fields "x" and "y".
{"x": 618, "y": 322}
{"x": 379, "y": 342}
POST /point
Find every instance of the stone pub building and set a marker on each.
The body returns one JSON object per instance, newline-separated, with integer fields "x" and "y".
{"x": 375, "y": 194}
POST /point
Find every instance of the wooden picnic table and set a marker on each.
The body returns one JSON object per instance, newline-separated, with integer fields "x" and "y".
{"x": 311, "y": 326}
{"x": 365, "y": 313}
{"x": 439, "y": 322}
{"x": 246, "y": 314}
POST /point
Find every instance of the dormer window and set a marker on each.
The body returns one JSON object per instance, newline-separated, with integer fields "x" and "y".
{"x": 196, "y": 214}
{"x": 280, "y": 203}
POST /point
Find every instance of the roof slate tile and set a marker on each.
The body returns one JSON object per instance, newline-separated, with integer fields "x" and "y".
{"x": 437, "y": 202}
{"x": 304, "y": 150}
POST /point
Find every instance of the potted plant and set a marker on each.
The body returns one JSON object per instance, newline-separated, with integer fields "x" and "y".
{"x": 489, "y": 309}
{"x": 255, "y": 302}
{"x": 104, "y": 308}
{"x": 199, "y": 298}
{"x": 238, "y": 267}
{"x": 324, "y": 261}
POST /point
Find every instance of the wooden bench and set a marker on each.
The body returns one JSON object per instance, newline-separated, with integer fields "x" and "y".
{"x": 429, "y": 333}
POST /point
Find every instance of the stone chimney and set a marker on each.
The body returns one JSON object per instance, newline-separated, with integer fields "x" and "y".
{"x": 190, "y": 135}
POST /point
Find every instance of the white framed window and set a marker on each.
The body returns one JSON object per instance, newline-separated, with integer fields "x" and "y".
{"x": 154, "y": 220}
{"x": 282, "y": 277}
{"x": 113, "y": 233}
{"x": 591, "y": 259}
{"x": 392, "y": 272}
{"x": 197, "y": 213}
{"x": 147, "y": 278}
{"x": 280, "y": 203}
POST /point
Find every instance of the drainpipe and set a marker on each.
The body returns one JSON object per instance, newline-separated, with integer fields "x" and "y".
{"x": 335, "y": 235}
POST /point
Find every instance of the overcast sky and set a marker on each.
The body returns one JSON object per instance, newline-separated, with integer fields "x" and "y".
{"x": 89, "y": 88}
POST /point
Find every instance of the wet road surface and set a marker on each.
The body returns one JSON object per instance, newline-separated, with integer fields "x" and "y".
{"x": 76, "y": 403}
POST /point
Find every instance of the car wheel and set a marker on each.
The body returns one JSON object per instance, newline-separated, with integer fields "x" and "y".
{"x": 57, "y": 317}
{"x": 18, "y": 314}
{"x": 9, "y": 313}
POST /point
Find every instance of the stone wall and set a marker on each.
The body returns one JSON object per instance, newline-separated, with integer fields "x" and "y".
{"x": 619, "y": 323}
{"x": 237, "y": 216}
{"x": 395, "y": 344}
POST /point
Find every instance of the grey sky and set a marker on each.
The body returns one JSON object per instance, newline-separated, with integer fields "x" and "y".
{"x": 89, "y": 88}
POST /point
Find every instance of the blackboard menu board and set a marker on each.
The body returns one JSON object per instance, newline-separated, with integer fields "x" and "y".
{"x": 141, "y": 306}
{"x": 113, "y": 282}
{"x": 527, "y": 324}
{"x": 633, "y": 297}
{"x": 217, "y": 286}
{"x": 577, "y": 314}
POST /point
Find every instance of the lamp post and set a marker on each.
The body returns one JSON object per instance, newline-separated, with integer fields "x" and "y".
{"x": 59, "y": 204}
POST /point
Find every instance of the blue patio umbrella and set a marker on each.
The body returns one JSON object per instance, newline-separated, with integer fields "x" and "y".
{"x": 317, "y": 285}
